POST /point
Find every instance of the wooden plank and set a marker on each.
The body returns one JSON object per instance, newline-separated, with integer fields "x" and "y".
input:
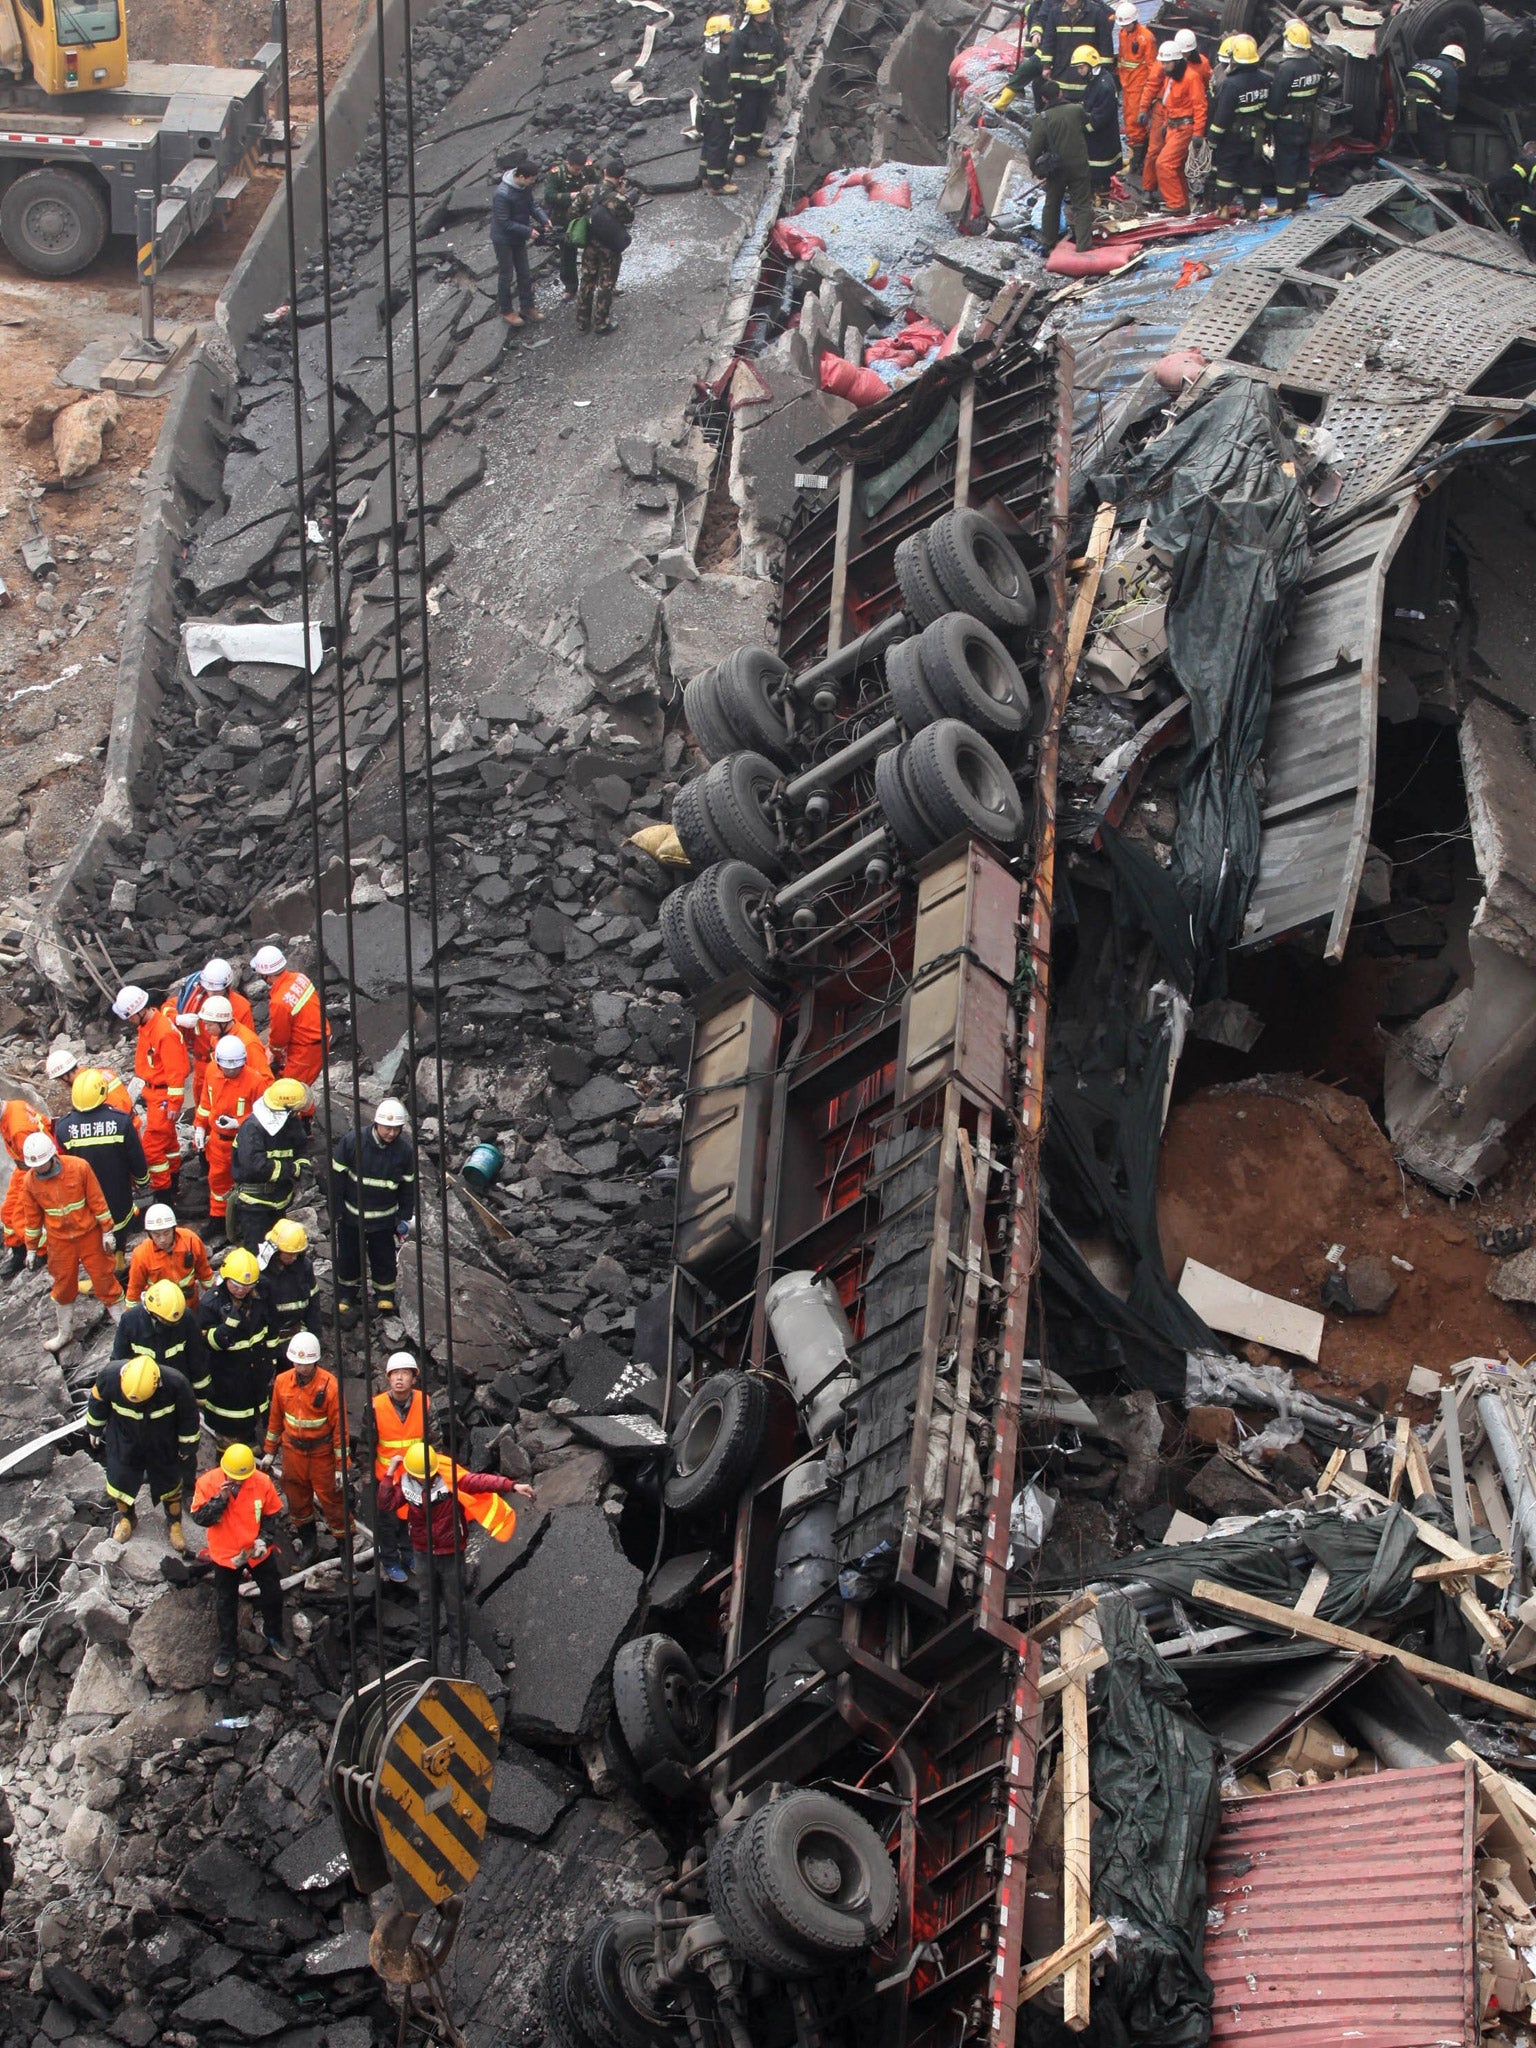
{"x": 1242, "y": 1311}
{"x": 1039, "y": 1975}
{"x": 1312, "y": 1592}
{"x": 1332, "y": 1469}
{"x": 840, "y": 551}
{"x": 1451, "y": 1423}
{"x": 1511, "y": 1801}
{"x": 1076, "y": 1899}
{"x": 1419, "y": 1476}
{"x": 1088, "y": 590}
{"x": 1289, "y": 1622}
{"x": 1452, "y": 1568}
{"x": 1399, "y": 1457}
{"x": 1435, "y": 1539}
{"x": 1064, "y": 1675}
{"x": 1074, "y": 1610}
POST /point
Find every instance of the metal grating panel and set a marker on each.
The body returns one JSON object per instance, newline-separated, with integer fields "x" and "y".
{"x": 1229, "y": 309}
{"x": 1342, "y": 1915}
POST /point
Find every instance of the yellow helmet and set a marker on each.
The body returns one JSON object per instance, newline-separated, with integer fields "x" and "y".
{"x": 239, "y": 1461}
{"x": 286, "y": 1094}
{"x": 288, "y": 1236}
{"x": 1242, "y": 50}
{"x": 758, "y": 6}
{"x": 1298, "y": 35}
{"x": 718, "y": 25}
{"x": 420, "y": 1459}
{"x": 140, "y": 1377}
{"x": 1085, "y": 53}
{"x": 88, "y": 1090}
{"x": 165, "y": 1301}
{"x": 240, "y": 1266}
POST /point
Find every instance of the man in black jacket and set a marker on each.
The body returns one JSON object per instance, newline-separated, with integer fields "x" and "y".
{"x": 517, "y": 220}
{"x": 108, "y": 1141}
{"x": 234, "y": 1320}
{"x": 759, "y": 58}
{"x": 162, "y": 1328}
{"x": 373, "y": 1199}
{"x": 270, "y": 1147}
{"x": 1058, "y": 153}
{"x": 288, "y": 1287}
{"x": 717, "y": 105}
{"x": 142, "y": 1417}
{"x": 1434, "y": 95}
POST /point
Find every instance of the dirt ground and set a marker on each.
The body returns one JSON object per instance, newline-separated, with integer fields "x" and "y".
{"x": 59, "y": 638}
{"x": 1261, "y": 1179}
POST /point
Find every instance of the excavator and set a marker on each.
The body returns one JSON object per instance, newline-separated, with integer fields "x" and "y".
{"x": 85, "y": 129}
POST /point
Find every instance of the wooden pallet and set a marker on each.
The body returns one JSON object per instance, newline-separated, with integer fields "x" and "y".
{"x": 148, "y": 380}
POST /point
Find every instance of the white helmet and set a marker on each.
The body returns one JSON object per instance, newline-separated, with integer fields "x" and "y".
{"x": 304, "y": 1348}
{"x": 130, "y": 1002}
{"x": 218, "y": 1010}
{"x": 391, "y": 1114}
{"x": 1186, "y": 42}
{"x": 229, "y": 1053}
{"x": 1455, "y": 52}
{"x": 159, "y": 1216}
{"x": 1126, "y": 15}
{"x": 61, "y": 1061}
{"x": 401, "y": 1361}
{"x": 38, "y": 1149}
{"x": 269, "y": 960}
{"x": 1166, "y": 53}
{"x": 217, "y": 976}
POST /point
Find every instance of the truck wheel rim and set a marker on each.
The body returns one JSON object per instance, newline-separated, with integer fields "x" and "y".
{"x": 996, "y": 564}
{"x": 50, "y": 224}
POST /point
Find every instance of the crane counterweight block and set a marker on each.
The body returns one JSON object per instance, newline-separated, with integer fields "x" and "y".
{"x": 409, "y": 1773}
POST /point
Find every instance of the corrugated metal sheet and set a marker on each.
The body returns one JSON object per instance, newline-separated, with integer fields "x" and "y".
{"x": 1342, "y": 1915}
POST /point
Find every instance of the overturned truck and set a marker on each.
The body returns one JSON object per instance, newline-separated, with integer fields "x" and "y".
{"x": 842, "y": 1719}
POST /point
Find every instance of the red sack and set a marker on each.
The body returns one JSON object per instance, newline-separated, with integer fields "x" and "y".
{"x": 896, "y": 193}
{"x": 847, "y": 380}
{"x": 795, "y": 242}
{"x": 1066, "y": 261}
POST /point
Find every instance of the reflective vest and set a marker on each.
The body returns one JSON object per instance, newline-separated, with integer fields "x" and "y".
{"x": 493, "y": 1511}
{"x": 395, "y": 1434}
{"x": 305, "y": 1415}
{"x": 235, "y": 1538}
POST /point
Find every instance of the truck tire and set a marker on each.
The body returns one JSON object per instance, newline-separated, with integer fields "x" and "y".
{"x": 980, "y": 572}
{"x": 701, "y": 714}
{"x": 563, "y": 2024}
{"x": 922, "y": 594}
{"x": 724, "y": 902}
{"x": 744, "y": 686}
{"x": 961, "y": 784}
{"x": 819, "y": 1873}
{"x": 694, "y": 828}
{"x": 754, "y": 1939}
{"x": 735, "y": 795}
{"x": 715, "y": 1443}
{"x": 53, "y": 222}
{"x": 1244, "y": 18}
{"x": 912, "y": 829}
{"x": 911, "y": 699}
{"x": 972, "y": 677}
{"x": 655, "y": 1695}
{"x": 1428, "y": 25}
{"x": 690, "y": 964}
{"x": 1364, "y": 90}
{"x": 625, "y": 1980}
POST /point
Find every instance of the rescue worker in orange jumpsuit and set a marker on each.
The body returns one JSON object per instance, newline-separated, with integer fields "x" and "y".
{"x": 236, "y": 1504}
{"x": 185, "y": 1004}
{"x": 61, "y": 1195}
{"x": 440, "y": 1499}
{"x": 401, "y": 1417}
{"x": 1187, "y": 43}
{"x": 305, "y": 1423}
{"x": 234, "y": 1086}
{"x": 161, "y": 1062}
{"x": 220, "y": 1020}
{"x": 1183, "y": 110}
{"x": 298, "y": 1036}
{"x": 1141, "y": 79}
{"x": 18, "y": 1121}
{"x": 170, "y": 1251}
{"x": 64, "y": 1063}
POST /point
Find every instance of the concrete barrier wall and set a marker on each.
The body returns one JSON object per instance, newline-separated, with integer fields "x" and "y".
{"x": 259, "y": 281}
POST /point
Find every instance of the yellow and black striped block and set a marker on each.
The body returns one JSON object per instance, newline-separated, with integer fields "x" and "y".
{"x": 433, "y": 1791}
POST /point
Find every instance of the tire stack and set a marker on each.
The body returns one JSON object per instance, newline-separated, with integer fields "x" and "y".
{"x": 801, "y": 1887}
{"x": 956, "y": 689}
{"x": 604, "y": 1991}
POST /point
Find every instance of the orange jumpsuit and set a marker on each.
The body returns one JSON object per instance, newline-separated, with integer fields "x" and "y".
{"x": 1183, "y": 109}
{"x": 305, "y": 1418}
{"x": 200, "y": 1040}
{"x": 18, "y": 1120}
{"x": 162, "y": 1063}
{"x": 296, "y": 1032}
{"x": 71, "y": 1208}
{"x": 231, "y": 1097}
{"x": 1141, "y": 76}
{"x": 187, "y": 1263}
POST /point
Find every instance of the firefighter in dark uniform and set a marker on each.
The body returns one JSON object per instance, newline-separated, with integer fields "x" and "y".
{"x": 1514, "y": 194}
{"x": 373, "y": 1199}
{"x": 1065, "y": 26}
{"x": 1291, "y": 110}
{"x": 1101, "y": 107}
{"x": 567, "y": 185}
{"x": 759, "y": 61}
{"x": 142, "y": 1416}
{"x": 1236, "y": 128}
{"x": 288, "y": 1287}
{"x": 107, "y": 1139}
{"x": 1434, "y": 94}
{"x": 161, "y": 1328}
{"x": 717, "y": 105}
{"x": 234, "y": 1320}
{"x": 270, "y": 1147}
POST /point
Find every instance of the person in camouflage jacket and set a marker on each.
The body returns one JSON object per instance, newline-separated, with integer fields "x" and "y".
{"x": 568, "y": 185}
{"x": 609, "y": 216}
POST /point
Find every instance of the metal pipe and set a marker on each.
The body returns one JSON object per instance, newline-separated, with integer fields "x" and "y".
{"x": 833, "y": 667}
{"x": 144, "y": 220}
{"x": 1513, "y": 1468}
{"x": 842, "y": 867}
{"x": 878, "y": 740}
